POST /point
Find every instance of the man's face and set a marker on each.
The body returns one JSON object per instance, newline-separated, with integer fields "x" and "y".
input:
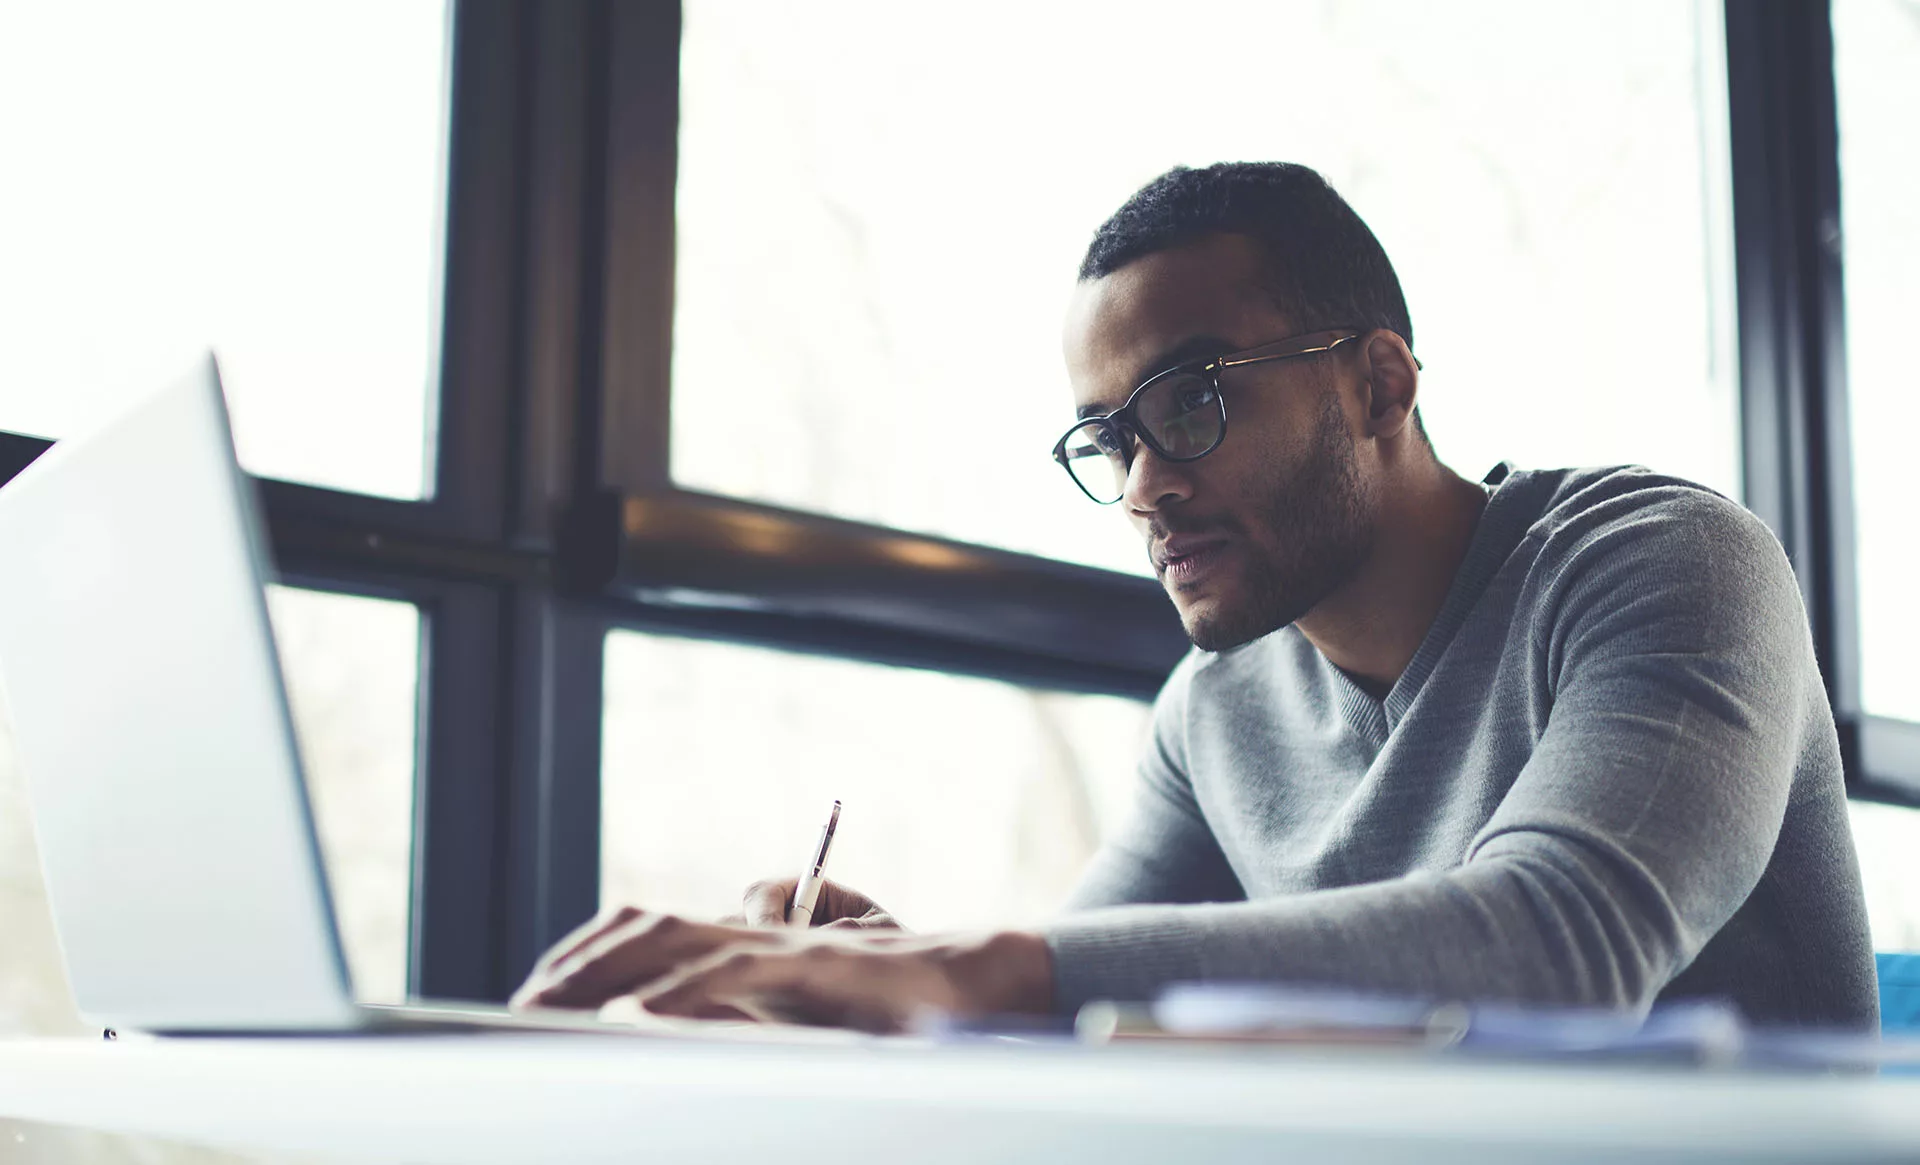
{"x": 1255, "y": 534}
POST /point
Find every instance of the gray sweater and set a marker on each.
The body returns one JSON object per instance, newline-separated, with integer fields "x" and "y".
{"x": 1608, "y": 776}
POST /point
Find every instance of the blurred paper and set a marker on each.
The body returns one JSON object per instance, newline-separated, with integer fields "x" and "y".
{"x": 1703, "y": 1032}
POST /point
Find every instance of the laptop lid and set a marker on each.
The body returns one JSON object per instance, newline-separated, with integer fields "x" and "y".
{"x": 152, "y": 728}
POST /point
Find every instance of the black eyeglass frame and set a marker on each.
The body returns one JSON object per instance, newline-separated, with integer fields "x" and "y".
{"x": 1307, "y": 344}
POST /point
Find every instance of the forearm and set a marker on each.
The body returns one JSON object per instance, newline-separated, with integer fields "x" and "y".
{"x": 1170, "y": 870}
{"x": 1541, "y": 925}
{"x": 1166, "y": 851}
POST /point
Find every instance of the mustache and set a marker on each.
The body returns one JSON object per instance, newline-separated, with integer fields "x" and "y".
{"x": 1159, "y": 530}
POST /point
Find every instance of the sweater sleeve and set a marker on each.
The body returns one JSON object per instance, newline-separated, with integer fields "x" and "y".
{"x": 1166, "y": 853}
{"x": 1678, "y": 655}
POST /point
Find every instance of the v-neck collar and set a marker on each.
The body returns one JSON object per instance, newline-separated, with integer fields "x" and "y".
{"x": 1502, "y": 523}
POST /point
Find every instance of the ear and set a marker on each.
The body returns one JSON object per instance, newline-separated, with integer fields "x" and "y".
{"x": 1393, "y": 383}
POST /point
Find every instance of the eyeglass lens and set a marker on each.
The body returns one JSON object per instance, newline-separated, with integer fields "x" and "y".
{"x": 1178, "y": 412}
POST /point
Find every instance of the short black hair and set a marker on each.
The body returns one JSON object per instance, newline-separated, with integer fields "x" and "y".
{"x": 1324, "y": 267}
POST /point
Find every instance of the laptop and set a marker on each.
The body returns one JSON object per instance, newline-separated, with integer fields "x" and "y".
{"x": 152, "y": 725}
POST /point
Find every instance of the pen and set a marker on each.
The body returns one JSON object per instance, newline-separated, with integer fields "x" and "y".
{"x": 806, "y": 893}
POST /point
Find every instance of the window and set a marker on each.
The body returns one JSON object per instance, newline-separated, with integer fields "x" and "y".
{"x": 1876, "y": 51}
{"x": 1888, "y": 838}
{"x": 870, "y": 292}
{"x": 264, "y": 179}
{"x": 352, "y": 668}
{"x": 966, "y": 802}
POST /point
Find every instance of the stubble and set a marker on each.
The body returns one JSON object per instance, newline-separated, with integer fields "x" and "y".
{"x": 1316, "y": 529}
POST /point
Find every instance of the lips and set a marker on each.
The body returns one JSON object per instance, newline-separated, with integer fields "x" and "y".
{"x": 1184, "y": 558}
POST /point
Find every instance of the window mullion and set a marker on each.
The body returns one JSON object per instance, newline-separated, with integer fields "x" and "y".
{"x": 1791, "y": 317}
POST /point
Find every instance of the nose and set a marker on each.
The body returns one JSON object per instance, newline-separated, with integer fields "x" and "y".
{"x": 1153, "y": 482}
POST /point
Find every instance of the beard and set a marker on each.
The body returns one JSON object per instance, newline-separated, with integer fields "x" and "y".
{"x": 1320, "y": 514}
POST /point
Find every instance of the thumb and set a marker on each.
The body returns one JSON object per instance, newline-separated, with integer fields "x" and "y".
{"x": 766, "y": 903}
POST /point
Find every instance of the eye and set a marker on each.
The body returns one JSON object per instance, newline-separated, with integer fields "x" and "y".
{"x": 1107, "y": 439}
{"x": 1195, "y": 395}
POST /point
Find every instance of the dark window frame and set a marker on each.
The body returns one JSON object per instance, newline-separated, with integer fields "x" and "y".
{"x": 554, "y": 515}
{"x": 1791, "y": 307}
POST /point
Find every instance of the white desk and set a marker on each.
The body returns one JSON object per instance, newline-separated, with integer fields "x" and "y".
{"x": 534, "y": 1098}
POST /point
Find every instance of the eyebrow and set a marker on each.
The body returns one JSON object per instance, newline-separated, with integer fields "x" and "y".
{"x": 1190, "y": 349}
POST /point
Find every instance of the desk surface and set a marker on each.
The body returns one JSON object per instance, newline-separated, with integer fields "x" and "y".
{"x": 528, "y": 1097}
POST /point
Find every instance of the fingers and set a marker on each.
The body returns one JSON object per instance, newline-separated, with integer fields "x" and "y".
{"x": 877, "y": 987}
{"x": 626, "y": 1010}
{"x": 838, "y": 902}
{"x": 875, "y": 919}
{"x": 876, "y": 981}
{"x": 588, "y": 931}
{"x": 724, "y": 976}
{"x": 624, "y": 957}
{"x": 817, "y": 984}
{"x": 578, "y": 939}
{"x": 766, "y": 903}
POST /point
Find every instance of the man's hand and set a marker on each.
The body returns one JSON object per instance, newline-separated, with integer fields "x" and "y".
{"x": 767, "y": 903}
{"x": 879, "y": 982}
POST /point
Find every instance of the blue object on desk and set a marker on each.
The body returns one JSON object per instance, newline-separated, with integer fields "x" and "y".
{"x": 1899, "y": 992}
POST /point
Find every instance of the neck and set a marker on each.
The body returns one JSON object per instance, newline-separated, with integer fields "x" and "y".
{"x": 1371, "y": 627}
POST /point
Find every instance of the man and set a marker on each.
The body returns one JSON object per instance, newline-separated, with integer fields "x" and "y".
{"x": 1554, "y": 737}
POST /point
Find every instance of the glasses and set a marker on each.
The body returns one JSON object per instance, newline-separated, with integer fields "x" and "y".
{"x": 1178, "y": 413}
